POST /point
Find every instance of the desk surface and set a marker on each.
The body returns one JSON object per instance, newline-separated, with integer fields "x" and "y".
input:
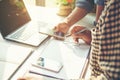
{"x": 43, "y": 15}
{"x": 72, "y": 57}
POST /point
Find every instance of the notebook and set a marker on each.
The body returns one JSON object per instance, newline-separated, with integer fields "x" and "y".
{"x": 17, "y": 25}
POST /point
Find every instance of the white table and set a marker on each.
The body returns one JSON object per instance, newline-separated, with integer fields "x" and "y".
{"x": 44, "y": 14}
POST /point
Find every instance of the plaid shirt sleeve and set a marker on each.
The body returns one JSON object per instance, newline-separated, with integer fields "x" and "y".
{"x": 105, "y": 45}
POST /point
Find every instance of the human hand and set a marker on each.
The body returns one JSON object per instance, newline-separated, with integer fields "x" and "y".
{"x": 29, "y": 78}
{"x": 60, "y": 30}
{"x": 62, "y": 27}
{"x": 86, "y": 35}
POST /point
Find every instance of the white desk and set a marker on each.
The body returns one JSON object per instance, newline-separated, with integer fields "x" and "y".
{"x": 45, "y": 15}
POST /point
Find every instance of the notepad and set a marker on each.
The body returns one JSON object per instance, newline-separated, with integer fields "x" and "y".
{"x": 48, "y": 64}
{"x": 50, "y": 32}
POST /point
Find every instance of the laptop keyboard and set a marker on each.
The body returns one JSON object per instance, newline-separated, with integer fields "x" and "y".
{"x": 24, "y": 36}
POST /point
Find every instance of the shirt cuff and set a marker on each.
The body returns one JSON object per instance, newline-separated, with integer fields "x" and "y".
{"x": 84, "y": 4}
{"x": 99, "y": 2}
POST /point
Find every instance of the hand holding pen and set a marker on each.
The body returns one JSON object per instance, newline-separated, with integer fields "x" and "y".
{"x": 80, "y": 32}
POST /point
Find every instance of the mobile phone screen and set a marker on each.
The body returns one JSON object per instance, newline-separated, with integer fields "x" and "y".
{"x": 48, "y": 64}
{"x": 59, "y": 35}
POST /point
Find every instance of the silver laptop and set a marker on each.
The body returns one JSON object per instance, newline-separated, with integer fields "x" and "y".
{"x": 16, "y": 24}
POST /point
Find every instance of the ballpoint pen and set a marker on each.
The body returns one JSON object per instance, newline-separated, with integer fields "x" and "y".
{"x": 81, "y": 31}
{"x": 77, "y": 32}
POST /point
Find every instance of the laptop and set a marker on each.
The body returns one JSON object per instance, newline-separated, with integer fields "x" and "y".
{"x": 17, "y": 25}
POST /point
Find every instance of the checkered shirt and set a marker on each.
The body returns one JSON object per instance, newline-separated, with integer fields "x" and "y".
{"x": 105, "y": 45}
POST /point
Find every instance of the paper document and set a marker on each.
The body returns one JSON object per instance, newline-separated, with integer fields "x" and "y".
{"x": 50, "y": 32}
{"x": 47, "y": 64}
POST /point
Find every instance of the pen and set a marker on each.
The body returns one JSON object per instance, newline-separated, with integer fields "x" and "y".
{"x": 81, "y": 31}
{"x": 78, "y": 32}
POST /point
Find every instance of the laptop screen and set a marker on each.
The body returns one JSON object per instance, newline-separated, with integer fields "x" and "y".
{"x": 13, "y": 14}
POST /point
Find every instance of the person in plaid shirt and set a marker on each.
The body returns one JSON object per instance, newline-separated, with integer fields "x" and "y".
{"x": 105, "y": 44}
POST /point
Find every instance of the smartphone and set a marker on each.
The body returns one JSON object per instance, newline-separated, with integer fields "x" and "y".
{"x": 48, "y": 64}
{"x": 59, "y": 35}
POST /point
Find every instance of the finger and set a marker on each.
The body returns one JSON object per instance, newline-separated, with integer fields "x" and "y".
{"x": 21, "y": 79}
{"x": 56, "y": 29}
{"x": 76, "y": 29}
{"x": 77, "y": 35}
{"x": 76, "y": 40}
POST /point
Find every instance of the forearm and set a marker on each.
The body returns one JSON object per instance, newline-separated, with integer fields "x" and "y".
{"x": 99, "y": 8}
{"x": 99, "y": 11}
{"x": 76, "y": 15}
{"x": 80, "y": 11}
